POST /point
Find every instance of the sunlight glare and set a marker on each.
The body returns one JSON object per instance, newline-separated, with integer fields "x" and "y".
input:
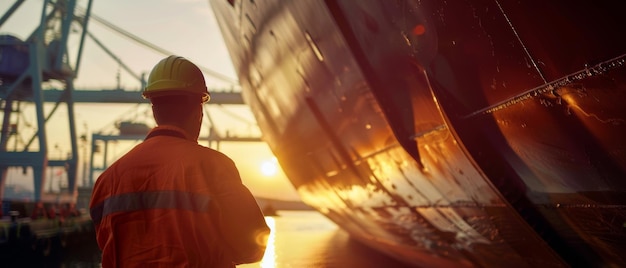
{"x": 269, "y": 258}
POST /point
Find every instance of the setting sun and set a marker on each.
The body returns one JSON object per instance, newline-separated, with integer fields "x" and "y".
{"x": 269, "y": 167}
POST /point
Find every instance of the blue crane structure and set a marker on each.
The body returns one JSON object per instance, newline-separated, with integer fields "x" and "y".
{"x": 25, "y": 65}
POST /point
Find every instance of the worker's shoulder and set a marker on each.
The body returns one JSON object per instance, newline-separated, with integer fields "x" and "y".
{"x": 210, "y": 152}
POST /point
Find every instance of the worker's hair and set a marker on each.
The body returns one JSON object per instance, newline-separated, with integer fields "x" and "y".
{"x": 174, "y": 109}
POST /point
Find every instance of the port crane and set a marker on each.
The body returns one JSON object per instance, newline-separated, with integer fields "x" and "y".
{"x": 44, "y": 58}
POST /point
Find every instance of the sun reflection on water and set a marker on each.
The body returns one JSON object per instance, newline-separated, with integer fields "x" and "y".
{"x": 269, "y": 258}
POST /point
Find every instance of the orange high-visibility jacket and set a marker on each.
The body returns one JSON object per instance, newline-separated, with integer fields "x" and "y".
{"x": 171, "y": 202}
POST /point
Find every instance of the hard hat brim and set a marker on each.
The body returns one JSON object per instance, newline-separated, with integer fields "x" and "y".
{"x": 205, "y": 97}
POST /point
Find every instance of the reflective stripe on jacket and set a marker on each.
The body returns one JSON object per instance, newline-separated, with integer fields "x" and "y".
{"x": 171, "y": 202}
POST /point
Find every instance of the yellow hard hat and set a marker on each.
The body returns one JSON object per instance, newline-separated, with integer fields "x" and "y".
{"x": 176, "y": 75}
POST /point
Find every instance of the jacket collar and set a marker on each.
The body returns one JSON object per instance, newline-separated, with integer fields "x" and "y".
{"x": 168, "y": 130}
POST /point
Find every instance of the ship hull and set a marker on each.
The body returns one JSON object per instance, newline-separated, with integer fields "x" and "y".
{"x": 473, "y": 133}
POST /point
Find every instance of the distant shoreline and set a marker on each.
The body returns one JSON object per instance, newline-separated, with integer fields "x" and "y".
{"x": 282, "y": 204}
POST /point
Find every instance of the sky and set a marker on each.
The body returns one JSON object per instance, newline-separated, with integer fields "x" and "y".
{"x": 183, "y": 27}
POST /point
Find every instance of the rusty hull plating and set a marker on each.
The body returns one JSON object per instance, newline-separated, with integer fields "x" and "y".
{"x": 466, "y": 133}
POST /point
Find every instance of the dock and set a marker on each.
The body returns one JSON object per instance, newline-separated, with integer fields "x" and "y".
{"x": 23, "y": 239}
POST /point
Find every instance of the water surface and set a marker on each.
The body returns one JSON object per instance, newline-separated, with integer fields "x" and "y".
{"x": 308, "y": 239}
{"x": 299, "y": 239}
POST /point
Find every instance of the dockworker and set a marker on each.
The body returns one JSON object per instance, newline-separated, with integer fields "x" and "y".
{"x": 170, "y": 202}
{"x": 39, "y": 211}
{"x": 52, "y": 211}
{"x": 71, "y": 211}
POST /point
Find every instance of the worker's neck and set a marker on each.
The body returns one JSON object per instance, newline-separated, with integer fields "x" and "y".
{"x": 191, "y": 132}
